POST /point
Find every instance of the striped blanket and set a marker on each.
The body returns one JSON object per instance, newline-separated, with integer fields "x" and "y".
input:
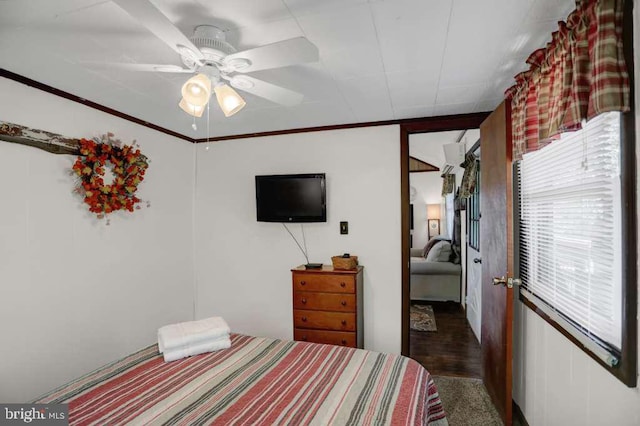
{"x": 256, "y": 381}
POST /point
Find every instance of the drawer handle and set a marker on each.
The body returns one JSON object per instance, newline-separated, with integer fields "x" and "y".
{"x": 344, "y": 322}
{"x": 304, "y": 319}
{"x": 343, "y": 284}
{"x": 343, "y": 303}
{"x": 303, "y": 282}
{"x": 304, "y": 300}
{"x": 344, "y": 342}
{"x": 304, "y": 338}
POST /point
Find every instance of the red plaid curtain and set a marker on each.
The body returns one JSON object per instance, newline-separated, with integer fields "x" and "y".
{"x": 448, "y": 183}
{"x": 468, "y": 184}
{"x": 579, "y": 74}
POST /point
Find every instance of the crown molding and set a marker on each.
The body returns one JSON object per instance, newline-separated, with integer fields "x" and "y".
{"x": 70, "y": 96}
{"x": 412, "y": 125}
{"x": 439, "y": 123}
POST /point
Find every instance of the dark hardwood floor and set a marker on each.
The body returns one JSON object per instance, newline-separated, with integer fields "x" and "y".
{"x": 452, "y": 350}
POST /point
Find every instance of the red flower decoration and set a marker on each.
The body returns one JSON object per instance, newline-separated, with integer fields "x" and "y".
{"x": 127, "y": 165}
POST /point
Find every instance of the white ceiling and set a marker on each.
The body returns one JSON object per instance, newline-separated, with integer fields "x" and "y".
{"x": 379, "y": 59}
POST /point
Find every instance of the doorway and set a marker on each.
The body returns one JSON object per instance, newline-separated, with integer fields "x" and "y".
{"x": 440, "y": 337}
{"x": 407, "y": 128}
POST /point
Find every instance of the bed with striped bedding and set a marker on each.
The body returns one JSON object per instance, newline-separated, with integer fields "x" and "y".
{"x": 258, "y": 381}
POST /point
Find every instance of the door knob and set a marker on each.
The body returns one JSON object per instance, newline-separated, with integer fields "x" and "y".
{"x": 477, "y": 260}
{"x": 497, "y": 281}
{"x": 508, "y": 282}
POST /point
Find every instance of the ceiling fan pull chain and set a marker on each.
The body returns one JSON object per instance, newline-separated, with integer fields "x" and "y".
{"x": 208, "y": 121}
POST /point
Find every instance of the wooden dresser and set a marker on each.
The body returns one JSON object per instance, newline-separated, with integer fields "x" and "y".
{"x": 327, "y": 306}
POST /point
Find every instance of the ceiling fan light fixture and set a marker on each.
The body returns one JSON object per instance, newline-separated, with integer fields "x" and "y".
{"x": 238, "y": 64}
{"x": 229, "y": 100}
{"x": 167, "y": 68}
{"x": 197, "y": 90}
{"x": 188, "y": 53}
{"x": 190, "y": 109}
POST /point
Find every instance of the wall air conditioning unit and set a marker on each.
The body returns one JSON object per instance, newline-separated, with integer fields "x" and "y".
{"x": 454, "y": 156}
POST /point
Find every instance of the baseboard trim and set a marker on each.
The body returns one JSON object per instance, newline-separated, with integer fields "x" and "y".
{"x": 518, "y": 415}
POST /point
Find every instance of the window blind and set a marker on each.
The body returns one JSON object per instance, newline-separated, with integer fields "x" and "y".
{"x": 570, "y": 231}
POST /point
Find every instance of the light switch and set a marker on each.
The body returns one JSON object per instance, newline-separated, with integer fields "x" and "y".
{"x": 344, "y": 228}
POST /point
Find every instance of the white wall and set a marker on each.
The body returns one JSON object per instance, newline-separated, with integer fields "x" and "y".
{"x": 429, "y": 191}
{"x": 75, "y": 293}
{"x": 243, "y": 266}
{"x": 556, "y": 383}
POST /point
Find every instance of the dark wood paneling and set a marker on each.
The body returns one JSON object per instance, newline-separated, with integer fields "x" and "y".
{"x": 497, "y": 254}
{"x": 451, "y": 351}
{"x": 407, "y": 127}
{"x": 70, "y": 96}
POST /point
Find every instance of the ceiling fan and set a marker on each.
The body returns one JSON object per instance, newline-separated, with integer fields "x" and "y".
{"x": 217, "y": 64}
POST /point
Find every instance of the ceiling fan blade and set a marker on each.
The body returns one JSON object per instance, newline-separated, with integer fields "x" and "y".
{"x": 269, "y": 91}
{"x": 280, "y": 54}
{"x": 156, "y": 22}
{"x": 140, "y": 67}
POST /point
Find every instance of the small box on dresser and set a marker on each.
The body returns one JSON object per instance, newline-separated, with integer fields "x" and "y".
{"x": 327, "y": 306}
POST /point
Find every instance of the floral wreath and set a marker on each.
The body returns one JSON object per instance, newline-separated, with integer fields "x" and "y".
{"x": 125, "y": 162}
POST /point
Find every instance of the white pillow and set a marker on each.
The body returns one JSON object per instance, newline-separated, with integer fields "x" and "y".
{"x": 441, "y": 252}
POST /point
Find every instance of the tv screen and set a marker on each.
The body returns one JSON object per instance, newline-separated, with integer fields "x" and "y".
{"x": 291, "y": 198}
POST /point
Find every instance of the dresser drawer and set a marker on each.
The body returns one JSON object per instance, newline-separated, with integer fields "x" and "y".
{"x": 324, "y": 283}
{"x": 341, "y": 302}
{"x": 340, "y": 338}
{"x": 324, "y": 320}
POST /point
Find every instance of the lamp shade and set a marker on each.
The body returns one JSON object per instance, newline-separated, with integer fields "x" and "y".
{"x": 433, "y": 211}
{"x": 194, "y": 110}
{"x": 228, "y": 99}
{"x": 197, "y": 90}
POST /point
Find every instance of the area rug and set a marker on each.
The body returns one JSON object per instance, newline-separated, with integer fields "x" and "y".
{"x": 466, "y": 402}
{"x": 422, "y": 318}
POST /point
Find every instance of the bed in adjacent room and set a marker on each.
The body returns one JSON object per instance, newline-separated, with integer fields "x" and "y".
{"x": 256, "y": 381}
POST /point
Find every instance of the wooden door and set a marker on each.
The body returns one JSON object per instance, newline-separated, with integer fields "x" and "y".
{"x": 496, "y": 246}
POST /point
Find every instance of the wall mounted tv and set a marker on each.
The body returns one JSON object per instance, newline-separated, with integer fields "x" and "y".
{"x": 291, "y": 198}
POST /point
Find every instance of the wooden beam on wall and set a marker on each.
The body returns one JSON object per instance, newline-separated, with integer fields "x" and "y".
{"x": 416, "y": 165}
{"x": 47, "y": 141}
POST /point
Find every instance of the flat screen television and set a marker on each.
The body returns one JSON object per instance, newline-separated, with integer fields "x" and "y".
{"x": 291, "y": 198}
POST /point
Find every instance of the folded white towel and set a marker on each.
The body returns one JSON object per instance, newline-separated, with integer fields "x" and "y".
{"x": 185, "y": 333}
{"x": 197, "y": 349}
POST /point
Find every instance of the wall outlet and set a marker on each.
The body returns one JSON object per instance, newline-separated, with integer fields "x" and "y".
{"x": 344, "y": 228}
